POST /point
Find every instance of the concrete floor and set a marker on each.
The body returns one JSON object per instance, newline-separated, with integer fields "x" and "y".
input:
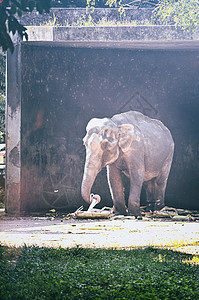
{"x": 115, "y": 233}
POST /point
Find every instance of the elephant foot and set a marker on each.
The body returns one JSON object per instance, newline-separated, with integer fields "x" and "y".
{"x": 137, "y": 216}
{"x": 150, "y": 205}
{"x": 134, "y": 211}
{"x": 119, "y": 211}
{"x": 159, "y": 205}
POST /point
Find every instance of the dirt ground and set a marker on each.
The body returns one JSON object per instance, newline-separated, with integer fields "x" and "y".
{"x": 122, "y": 232}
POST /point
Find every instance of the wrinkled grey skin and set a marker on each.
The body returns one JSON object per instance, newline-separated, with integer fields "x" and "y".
{"x": 136, "y": 145}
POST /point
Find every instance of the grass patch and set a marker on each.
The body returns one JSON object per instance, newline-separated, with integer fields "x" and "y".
{"x": 78, "y": 273}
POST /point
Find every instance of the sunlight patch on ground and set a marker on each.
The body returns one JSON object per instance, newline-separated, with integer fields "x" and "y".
{"x": 107, "y": 234}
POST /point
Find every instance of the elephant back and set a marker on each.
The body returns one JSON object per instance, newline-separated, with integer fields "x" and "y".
{"x": 147, "y": 126}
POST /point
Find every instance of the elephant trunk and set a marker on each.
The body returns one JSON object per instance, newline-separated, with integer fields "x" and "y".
{"x": 90, "y": 173}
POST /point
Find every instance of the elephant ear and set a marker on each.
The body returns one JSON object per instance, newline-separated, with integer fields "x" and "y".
{"x": 126, "y": 136}
{"x": 108, "y": 138}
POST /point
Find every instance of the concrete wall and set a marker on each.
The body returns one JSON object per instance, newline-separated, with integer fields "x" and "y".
{"x": 74, "y": 16}
{"x": 55, "y": 87}
{"x": 13, "y": 132}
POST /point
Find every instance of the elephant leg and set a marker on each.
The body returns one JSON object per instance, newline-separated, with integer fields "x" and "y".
{"x": 161, "y": 182}
{"x": 150, "y": 188}
{"x": 116, "y": 189}
{"x": 136, "y": 182}
{"x": 160, "y": 193}
{"x": 155, "y": 191}
{"x": 134, "y": 200}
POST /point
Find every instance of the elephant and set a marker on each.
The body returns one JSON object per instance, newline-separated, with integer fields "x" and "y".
{"x": 135, "y": 145}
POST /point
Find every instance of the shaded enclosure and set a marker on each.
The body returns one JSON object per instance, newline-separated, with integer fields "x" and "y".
{"x": 63, "y": 87}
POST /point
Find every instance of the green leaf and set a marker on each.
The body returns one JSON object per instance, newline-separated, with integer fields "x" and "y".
{"x": 39, "y": 7}
{"x": 31, "y": 5}
{"x": 13, "y": 9}
{"x": 26, "y": 36}
{"x": 23, "y": 5}
{"x": 11, "y": 26}
{"x": 19, "y": 12}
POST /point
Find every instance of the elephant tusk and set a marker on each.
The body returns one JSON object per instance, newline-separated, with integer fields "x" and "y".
{"x": 94, "y": 200}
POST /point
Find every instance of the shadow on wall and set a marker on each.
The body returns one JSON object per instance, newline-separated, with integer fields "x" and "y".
{"x": 64, "y": 87}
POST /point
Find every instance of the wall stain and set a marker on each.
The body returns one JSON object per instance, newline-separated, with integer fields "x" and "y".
{"x": 14, "y": 156}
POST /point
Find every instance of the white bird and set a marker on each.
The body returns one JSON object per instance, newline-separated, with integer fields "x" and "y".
{"x": 94, "y": 200}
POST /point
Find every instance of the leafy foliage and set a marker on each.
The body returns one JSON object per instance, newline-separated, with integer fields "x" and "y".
{"x": 42, "y": 273}
{"x": 121, "y": 3}
{"x": 139, "y": 3}
{"x": 183, "y": 13}
{"x": 80, "y": 3}
{"x": 2, "y": 119}
{"x": 9, "y": 24}
{"x": 2, "y": 73}
{"x": 2, "y": 97}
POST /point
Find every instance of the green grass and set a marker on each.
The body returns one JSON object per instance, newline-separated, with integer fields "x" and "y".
{"x": 78, "y": 273}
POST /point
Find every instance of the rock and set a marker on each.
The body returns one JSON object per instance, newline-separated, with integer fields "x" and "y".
{"x": 161, "y": 214}
{"x": 181, "y": 218}
{"x": 169, "y": 209}
{"x": 195, "y": 215}
{"x": 148, "y": 215}
{"x": 118, "y": 217}
{"x": 183, "y": 212}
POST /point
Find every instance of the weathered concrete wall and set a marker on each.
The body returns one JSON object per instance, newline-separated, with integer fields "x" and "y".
{"x": 75, "y": 16}
{"x": 13, "y": 133}
{"x": 56, "y": 87}
{"x": 121, "y": 33}
{"x": 163, "y": 36}
{"x": 63, "y": 87}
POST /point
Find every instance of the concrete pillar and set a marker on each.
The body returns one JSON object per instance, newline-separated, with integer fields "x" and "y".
{"x": 13, "y": 132}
